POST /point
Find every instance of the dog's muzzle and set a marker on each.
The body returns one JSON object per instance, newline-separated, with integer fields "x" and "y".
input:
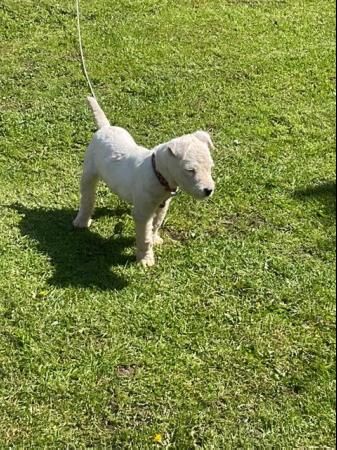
{"x": 208, "y": 192}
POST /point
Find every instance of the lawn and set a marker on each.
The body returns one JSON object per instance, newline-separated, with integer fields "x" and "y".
{"x": 229, "y": 342}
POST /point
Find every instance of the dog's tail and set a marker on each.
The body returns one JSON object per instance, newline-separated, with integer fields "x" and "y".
{"x": 100, "y": 117}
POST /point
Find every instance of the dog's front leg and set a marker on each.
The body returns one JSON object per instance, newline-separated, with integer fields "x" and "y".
{"x": 158, "y": 222}
{"x": 144, "y": 239}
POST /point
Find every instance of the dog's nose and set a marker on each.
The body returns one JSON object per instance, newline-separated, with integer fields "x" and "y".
{"x": 208, "y": 192}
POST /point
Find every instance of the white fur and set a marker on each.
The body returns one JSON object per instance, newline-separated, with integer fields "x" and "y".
{"x": 114, "y": 157}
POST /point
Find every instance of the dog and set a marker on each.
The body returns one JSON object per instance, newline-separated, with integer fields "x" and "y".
{"x": 146, "y": 179}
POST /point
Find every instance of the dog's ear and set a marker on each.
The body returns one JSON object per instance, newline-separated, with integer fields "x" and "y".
{"x": 203, "y": 136}
{"x": 173, "y": 151}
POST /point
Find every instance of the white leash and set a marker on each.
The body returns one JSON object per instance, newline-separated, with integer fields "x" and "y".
{"x": 84, "y": 67}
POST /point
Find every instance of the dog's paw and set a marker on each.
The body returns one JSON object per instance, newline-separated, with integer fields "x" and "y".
{"x": 81, "y": 224}
{"x": 146, "y": 261}
{"x": 157, "y": 240}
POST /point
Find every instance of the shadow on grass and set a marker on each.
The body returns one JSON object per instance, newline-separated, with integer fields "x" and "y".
{"x": 324, "y": 192}
{"x": 80, "y": 258}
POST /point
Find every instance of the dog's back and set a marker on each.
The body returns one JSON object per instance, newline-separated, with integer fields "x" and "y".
{"x": 119, "y": 161}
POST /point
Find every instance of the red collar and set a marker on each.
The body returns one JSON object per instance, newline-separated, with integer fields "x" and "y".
{"x": 160, "y": 177}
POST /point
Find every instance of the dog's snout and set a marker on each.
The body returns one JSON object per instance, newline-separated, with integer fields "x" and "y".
{"x": 208, "y": 192}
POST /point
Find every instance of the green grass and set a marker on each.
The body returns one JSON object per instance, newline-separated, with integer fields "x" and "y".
{"x": 229, "y": 341}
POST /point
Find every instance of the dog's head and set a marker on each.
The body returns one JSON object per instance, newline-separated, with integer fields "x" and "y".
{"x": 190, "y": 164}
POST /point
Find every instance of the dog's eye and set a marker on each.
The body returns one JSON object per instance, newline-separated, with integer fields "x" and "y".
{"x": 191, "y": 171}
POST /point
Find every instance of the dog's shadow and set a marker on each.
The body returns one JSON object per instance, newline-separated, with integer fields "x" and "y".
{"x": 325, "y": 193}
{"x": 80, "y": 258}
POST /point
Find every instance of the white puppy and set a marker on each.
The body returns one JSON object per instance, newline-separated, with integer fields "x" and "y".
{"x": 146, "y": 179}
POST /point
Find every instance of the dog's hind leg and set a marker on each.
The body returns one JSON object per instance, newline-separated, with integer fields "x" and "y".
{"x": 158, "y": 222}
{"x": 88, "y": 195}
